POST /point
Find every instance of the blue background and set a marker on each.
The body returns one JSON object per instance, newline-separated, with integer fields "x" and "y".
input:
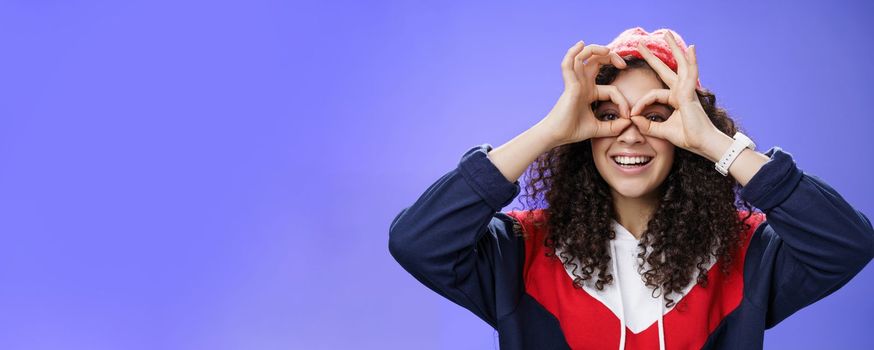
{"x": 222, "y": 174}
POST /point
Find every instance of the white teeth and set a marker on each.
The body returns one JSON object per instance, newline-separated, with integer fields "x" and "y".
{"x": 631, "y": 160}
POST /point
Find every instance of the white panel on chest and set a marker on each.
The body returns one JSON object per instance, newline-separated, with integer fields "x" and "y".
{"x": 640, "y": 307}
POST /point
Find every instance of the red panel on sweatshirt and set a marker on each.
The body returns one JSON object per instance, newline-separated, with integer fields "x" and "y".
{"x": 587, "y": 323}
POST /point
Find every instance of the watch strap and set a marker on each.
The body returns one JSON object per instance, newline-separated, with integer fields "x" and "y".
{"x": 741, "y": 141}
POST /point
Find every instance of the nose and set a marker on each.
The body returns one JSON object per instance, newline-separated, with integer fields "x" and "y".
{"x": 631, "y": 135}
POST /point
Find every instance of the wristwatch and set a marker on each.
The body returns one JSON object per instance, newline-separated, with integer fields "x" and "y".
{"x": 741, "y": 141}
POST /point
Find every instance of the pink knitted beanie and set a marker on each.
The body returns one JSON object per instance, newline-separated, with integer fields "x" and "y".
{"x": 626, "y": 44}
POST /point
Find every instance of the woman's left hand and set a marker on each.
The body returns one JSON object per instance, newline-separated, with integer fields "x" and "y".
{"x": 688, "y": 127}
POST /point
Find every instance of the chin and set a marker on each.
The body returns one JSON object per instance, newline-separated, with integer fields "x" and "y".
{"x": 630, "y": 189}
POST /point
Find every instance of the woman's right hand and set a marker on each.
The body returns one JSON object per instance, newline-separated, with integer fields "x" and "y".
{"x": 572, "y": 119}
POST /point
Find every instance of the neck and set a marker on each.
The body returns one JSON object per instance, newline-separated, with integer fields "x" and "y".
{"x": 634, "y": 213}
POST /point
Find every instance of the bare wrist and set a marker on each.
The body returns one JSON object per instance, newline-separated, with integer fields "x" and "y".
{"x": 716, "y": 145}
{"x": 546, "y": 136}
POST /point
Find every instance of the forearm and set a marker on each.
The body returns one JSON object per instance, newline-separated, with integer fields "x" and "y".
{"x": 450, "y": 217}
{"x": 453, "y": 240}
{"x": 812, "y": 242}
{"x": 513, "y": 157}
{"x": 747, "y": 163}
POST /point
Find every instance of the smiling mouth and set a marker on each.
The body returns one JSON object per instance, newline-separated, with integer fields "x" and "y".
{"x": 631, "y": 162}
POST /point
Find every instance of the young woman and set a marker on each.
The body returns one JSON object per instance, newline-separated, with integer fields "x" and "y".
{"x": 649, "y": 239}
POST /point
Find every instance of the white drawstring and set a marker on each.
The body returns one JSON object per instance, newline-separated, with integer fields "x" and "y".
{"x": 619, "y": 291}
{"x": 661, "y": 325}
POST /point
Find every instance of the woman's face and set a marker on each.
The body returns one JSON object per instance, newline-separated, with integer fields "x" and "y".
{"x": 630, "y": 146}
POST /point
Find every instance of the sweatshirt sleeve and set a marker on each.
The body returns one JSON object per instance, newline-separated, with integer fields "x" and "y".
{"x": 454, "y": 240}
{"x": 811, "y": 243}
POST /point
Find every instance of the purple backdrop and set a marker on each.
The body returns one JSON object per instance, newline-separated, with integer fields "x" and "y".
{"x": 222, "y": 174}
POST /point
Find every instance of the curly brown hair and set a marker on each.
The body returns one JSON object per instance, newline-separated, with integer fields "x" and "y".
{"x": 697, "y": 216}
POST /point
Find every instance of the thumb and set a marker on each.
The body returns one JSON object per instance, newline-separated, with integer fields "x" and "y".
{"x": 612, "y": 128}
{"x": 647, "y": 127}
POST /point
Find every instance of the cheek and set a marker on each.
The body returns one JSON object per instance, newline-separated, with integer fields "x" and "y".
{"x": 667, "y": 161}
{"x": 661, "y": 146}
{"x": 599, "y": 148}
{"x": 665, "y": 149}
{"x": 600, "y": 145}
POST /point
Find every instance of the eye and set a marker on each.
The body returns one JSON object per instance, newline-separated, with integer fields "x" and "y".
{"x": 607, "y": 116}
{"x": 655, "y": 117}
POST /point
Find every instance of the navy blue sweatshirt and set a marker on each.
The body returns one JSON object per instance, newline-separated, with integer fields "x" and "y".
{"x": 806, "y": 242}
